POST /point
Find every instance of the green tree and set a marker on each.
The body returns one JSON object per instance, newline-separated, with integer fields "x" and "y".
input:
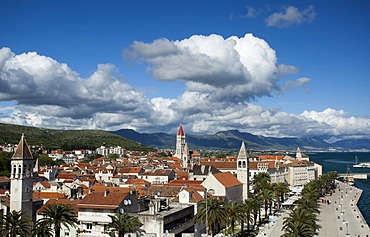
{"x": 300, "y": 223}
{"x": 260, "y": 181}
{"x": 281, "y": 190}
{"x": 257, "y": 203}
{"x": 248, "y": 210}
{"x": 124, "y": 223}
{"x": 58, "y": 214}
{"x": 212, "y": 212}
{"x": 15, "y": 223}
{"x": 5, "y": 163}
{"x": 42, "y": 229}
{"x": 235, "y": 214}
{"x": 267, "y": 196}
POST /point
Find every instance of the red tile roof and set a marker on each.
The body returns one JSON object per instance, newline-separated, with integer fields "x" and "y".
{"x": 23, "y": 151}
{"x": 98, "y": 200}
{"x": 221, "y": 165}
{"x": 72, "y": 203}
{"x": 49, "y": 195}
{"x": 271, "y": 157}
{"x": 101, "y": 188}
{"x": 227, "y": 179}
{"x": 137, "y": 182}
{"x": 188, "y": 183}
{"x": 180, "y": 132}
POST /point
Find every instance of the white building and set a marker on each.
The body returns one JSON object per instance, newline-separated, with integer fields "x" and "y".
{"x": 300, "y": 172}
{"x": 158, "y": 176}
{"x": 243, "y": 170}
{"x": 182, "y": 150}
{"x": 105, "y": 151}
{"x": 95, "y": 208}
{"x": 225, "y": 186}
{"x": 21, "y": 179}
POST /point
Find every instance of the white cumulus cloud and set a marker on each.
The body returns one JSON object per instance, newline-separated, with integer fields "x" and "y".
{"x": 291, "y": 16}
{"x": 221, "y": 76}
{"x": 214, "y": 65}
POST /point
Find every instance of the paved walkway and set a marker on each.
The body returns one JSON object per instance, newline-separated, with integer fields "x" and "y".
{"x": 340, "y": 218}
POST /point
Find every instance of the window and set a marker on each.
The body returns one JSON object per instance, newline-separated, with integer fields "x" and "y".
{"x": 89, "y": 226}
{"x": 14, "y": 171}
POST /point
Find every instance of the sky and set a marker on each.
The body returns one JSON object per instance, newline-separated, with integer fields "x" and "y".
{"x": 271, "y": 68}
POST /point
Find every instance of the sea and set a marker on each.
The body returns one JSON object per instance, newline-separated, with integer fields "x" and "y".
{"x": 340, "y": 162}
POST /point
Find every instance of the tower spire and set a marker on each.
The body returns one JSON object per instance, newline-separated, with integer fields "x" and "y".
{"x": 243, "y": 170}
{"x": 21, "y": 178}
{"x": 182, "y": 151}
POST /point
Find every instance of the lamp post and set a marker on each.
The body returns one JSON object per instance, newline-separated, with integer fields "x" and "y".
{"x": 347, "y": 228}
{"x": 343, "y": 212}
{"x": 206, "y": 214}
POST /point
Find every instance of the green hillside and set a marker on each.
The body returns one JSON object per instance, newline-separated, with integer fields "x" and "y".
{"x": 65, "y": 139}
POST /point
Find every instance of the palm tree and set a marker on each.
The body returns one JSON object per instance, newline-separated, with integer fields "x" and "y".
{"x": 267, "y": 196}
{"x": 260, "y": 181}
{"x": 15, "y": 223}
{"x": 300, "y": 223}
{"x": 58, "y": 214}
{"x": 235, "y": 214}
{"x": 257, "y": 203}
{"x": 312, "y": 190}
{"x": 213, "y": 213}
{"x": 248, "y": 208}
{"x": 308, "y": 204}
{"x": 281, "y": 190}
{"x": 42, "y": 229}
{"x": 124, "y": 223}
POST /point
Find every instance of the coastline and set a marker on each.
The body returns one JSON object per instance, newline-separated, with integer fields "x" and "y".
{"x": 342, "y": 217}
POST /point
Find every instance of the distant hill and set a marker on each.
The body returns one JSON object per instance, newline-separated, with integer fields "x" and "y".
{"x": 225, "y": 140}
{"x": 353, "y": 144}
{"x": 132, "y": 140}
{"x": 66, "y": 139}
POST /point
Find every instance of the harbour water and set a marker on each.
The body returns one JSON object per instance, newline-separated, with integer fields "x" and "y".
{"x": 338, "y": 161}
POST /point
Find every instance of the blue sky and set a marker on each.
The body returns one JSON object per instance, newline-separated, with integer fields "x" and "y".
{"x": 287, "y": 68}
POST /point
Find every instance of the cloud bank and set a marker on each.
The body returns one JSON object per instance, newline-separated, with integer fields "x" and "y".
{"x": 222, "y": 78}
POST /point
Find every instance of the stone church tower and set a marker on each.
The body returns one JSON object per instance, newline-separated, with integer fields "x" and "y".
{"x": 21, "y": 178}
{"x": 182, "y": 150}
{"x": 243, "y": 170}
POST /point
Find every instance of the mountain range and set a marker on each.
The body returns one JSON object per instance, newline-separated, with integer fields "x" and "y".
{"x": 231, "y": 140}
{"x": 132, "y": 140}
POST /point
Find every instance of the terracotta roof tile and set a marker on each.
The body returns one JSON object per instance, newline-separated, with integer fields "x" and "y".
{"x": 23, "y": 151}
{"x": 227, "y": 179}
{"x": 271, "y": 157}
{"x": 49, "y": 195}
{"x": 221, "y": 165}
{"x": 98, "y": 200}
{"x": 72, "y": 203}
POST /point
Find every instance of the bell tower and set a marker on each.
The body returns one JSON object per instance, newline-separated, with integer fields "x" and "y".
{"x": 243, "y": 170}
{"x": 21, "y": 178}
{"x": 182, "y": 150}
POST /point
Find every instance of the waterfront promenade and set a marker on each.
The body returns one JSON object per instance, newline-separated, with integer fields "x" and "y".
{"x": 340, "y": 218}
